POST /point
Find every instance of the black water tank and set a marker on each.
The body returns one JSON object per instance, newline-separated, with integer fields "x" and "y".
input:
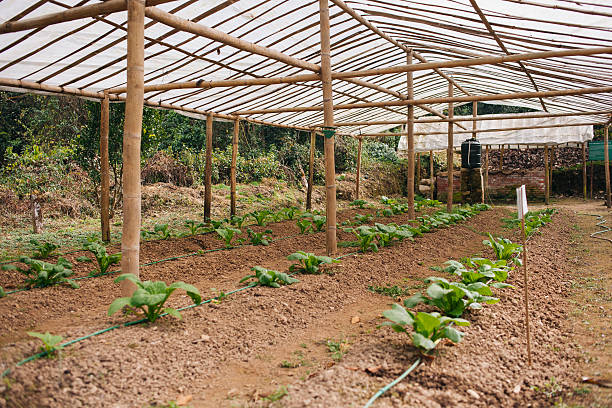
{"x": 470, "y": 154}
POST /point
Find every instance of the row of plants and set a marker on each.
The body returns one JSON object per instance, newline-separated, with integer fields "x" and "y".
{"x": 533, "y": 220}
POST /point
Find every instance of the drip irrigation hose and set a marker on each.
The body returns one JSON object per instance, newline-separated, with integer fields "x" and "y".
{"x": 600, "y": 223}
{"x": 392, "y": 383}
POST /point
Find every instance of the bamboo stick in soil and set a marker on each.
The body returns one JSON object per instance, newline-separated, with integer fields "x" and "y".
{"x": 432, "y": 176}
{"x": 449, "y": 153}
{"x": 584, "y": 171}
{"x": 358, "y": 176}
{"x": 546, "y": 184}
{"x": 233, "y": 167}
{"x": 208, "y": 168}
{"x": 130, "y": 241}
{"x": 410, "y": 137}
{"x": 501, "y": 157}
{"x": 104, "y": 170}
{"x": 328, "y": 120}
{"x": 607, "y": 166}
{"x": 313, "y": 139}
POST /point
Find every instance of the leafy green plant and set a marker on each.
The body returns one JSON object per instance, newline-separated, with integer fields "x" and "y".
{"x": 428, "y": 329}
{"x": 337, "y": 348}
{"x": 358, "y": 203}
{"x": 195, "y": 227}
{"x": 289, "y": 213}
{"x": 161, "y": 231}
{"x": 304, "y": 225}
{"x": 387, "y": 212}
{"x": 504, "y": 248}
{"x": 259, "y": 238}
{"x": 365, "y": 238}
{"x": 362, "y": 219}
{"x": 308, "y": 262}
{"x": 268, "y": 277}
{"x": 237, "y": 220}
{"x": 104, "y": 260}
{"x": 40, "y": 274}
{"x": 260, "y": 217}
{"x": 387, "y": 201}
{"x": 318, "y": 222}
{"x": 150, "y": 297}
{"x": 42, "y": 250}
{"x": 227, "y": 234}
{"x": 51, "y": 342}
{"x": 387, "y": 233}
{"x": 277, "y": 395}
{"x": 479, "y": 270}
{"x": 392, "y": 291}
{"x": 2, "y": 292}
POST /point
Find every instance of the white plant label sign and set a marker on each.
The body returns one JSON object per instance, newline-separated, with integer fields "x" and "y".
{"x": 521, "y": 201}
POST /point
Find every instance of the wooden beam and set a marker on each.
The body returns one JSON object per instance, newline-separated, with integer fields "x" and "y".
{"x": 328, "y": 120}
{"x": 130, "y": 240}
{"x": 410, "y": 137}
{"x": 313, "y": 139}
{"x": 429, "y": 101}
{"x": 584, "y": 171}
{"x": 607, "y": 166}
{"x": 74, "y": 13}
{"x": 449, "y": 153}
{"x": 233, "y": 167}
{"x": 208, "y": 168}
{"x": 104, "y": 171}
{"x": 358, "y": 177}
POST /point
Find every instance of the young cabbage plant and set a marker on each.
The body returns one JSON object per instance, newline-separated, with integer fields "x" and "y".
{"x": 42, "y": 250}
{"x": 318, "y": 222}
{"x": 308, "y": 262}
{"x": 259, "y": 238}
{"x": 428, "y": 329}
{"x": 304, "y": 225}
{"x": 289, "y": 213}
{"x": 237, "y": 221}
{"x": 358, "y": 203}
{"x": 479, "y": 270}
{"x": 51, "y": 343}
{"x": 150, "y": 297}
{"x": 504, "y": 248}
{"x": 268, "y": 277}
{"x": 227, "y": 234}
{"x": 40, "y": 274}
{"x": 2, "y": 292}
{"x": 260, "y": 217}
{"x": 362, "y": 219}
{"x": 365, "y": 238}
{"x": 162, "y": 231}
{"x": 102, "y": 257}
{"x": 195, "y": 227}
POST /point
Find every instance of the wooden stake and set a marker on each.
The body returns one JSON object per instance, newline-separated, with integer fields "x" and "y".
{"x": 233, "y": 167}
{"x": 328, "y": 120}
{"x": 410, "y": 139}
{"x": 104, "y": 171}
{"x": 313, "y": 139}
{"x": 357, "y": 179}
{"x": 37, "y": 218}
{"x": 486, "y": 166}
{"x": 208, "y": 168}
{"x": 591, "y": 187}
{"x": 607, "y": 167}
{"x": 526, "y": 291}
{"x": 130, "y": 240}
{"x": 501, "y": 157}
{"x": 551, "y": 166}
{"x": 546, "y": 185}
{"x": 449, "y": 153}
{"x": 584, "y": 171}
{"x": 432, "y": 176}
{"x": 417, "y": 181}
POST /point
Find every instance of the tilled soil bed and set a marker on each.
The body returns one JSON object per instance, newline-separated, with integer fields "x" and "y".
{"x": 243, "y": 350}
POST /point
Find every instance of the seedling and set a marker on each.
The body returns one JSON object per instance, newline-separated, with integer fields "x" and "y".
{"x": 428, "y": 328}
{"x": 318, "y": 222}
{"x": 227, "y": 234}
{"x": 219, "y": 295}
{"x": 359, "y": 203}
{"x": 337, "y": 348}
{"x": 162, "y": 231}
{"x": 42, "y": 250}
{"x": 392, "y": 291}
{"x": 365, "y": 238}
{"x": 308, "y": 262}
{"x": 304, "y": 225}
{"x": 195, "y": 227}
{"x": 268, "y": 277}
{"x": 504, "y": 248}
{"x": 260, "y": 216}
{"x": 2, "y": 292}
{"x": 289, "y": 213}
{"x": 104, "y": 260}
{"x": 51, "y": 343}
{"x": 486, "y": 271}
{"x": 237, "y": 221}
{"x": 40, "y": 274}
{"x": 150, "y": 297}
{"x": 362, "y": 219}
{"x": 259, "y": 238}
{"x": 277, "y": 395}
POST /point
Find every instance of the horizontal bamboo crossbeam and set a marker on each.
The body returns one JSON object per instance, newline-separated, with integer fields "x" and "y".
{"x": 429, "y": 101}
{"x": 75, "y": 13}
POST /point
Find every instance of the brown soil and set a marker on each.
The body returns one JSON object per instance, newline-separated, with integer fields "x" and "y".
{"x": 240, "y": 351}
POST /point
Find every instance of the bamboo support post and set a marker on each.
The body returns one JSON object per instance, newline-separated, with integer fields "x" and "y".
{"x": 313, "y": 139}
{"x": 410, "y": 137}
{"x": 358, "y": 177}
{"x": 208, "y": 168}
{"x": 591, "y": 186}
{"x": 417, "y": 181}
{"x": 328, "y": 120}
{"x": 607, "y": 166}
{"x": 130, "y": 240}
{"x": 233, "y": 167}
{"x": 546, "y": 179}
{"x": 584, "y": 171}
{"x": 449, "y": 153}
{"x": 486, "y": 172}
{"x": 501, "y": 157}
{"x": 551, "y": 166}
{"x": 526, "y": 290}
{"x": 432, "y": 176}
{"x": 104, "y": 171}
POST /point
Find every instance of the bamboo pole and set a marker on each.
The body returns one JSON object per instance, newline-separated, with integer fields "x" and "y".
{"x": 591, "y": 186}
{"x": 584, "y": 171}
{"x": 501, "y": 157}
{"x": 449, "y": 153}
{"x": 208, "y": 168}
{"x": 551, "y": 165}
{"x": 233, "y": 167}
{"x": 418, "y": 173}
{"x": 104, "y": 171}
{"x": 328, "y": 120}
{"x": 486, "y": 166}
{"x": 432, "y": 176}
{"x": 130, "y": 240}
{"x": 546, "y": 183}
{"x": 430, "y": 101}
{"x": 607, "y": 166}
{"x": 358, "y": 178}
{"x": 74, "y": 13}
{"x": 313, "y": 136}
{"x": 410, "y": 138}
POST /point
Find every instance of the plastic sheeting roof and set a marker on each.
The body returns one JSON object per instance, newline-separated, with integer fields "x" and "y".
{"x": 433, "y": 136}
{"x": 91, "y": 53}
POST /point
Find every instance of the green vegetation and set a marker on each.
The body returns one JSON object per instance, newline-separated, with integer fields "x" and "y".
{"x": 337, "y": 348}
{"x": 51, "y": 343}
{"x": 268, "y": 277}
{"x": 260, "y": 217}
{"x": 195, "y": 227}
{"x": 227, "y": 234}
{"x": 504, "y": 248}
{"x": 42, "y": 250}
{"x": 392, "y": 291}
{"x": 104, "y": 260}
{"x": 40, "y": 274}
{"x": 150, "y": 297}
{"x": 308, "y": 262}
{"x": 259, "y": 238}
{"x": 304, "y": 225}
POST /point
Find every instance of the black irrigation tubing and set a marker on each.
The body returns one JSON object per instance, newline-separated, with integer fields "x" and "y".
{"x": 600, "y": 223}
{"x": 135, "y": 322}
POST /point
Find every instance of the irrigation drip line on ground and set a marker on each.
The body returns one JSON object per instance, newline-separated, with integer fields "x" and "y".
{"x": 392, "y": 383}
{"x": 600, "y": 223}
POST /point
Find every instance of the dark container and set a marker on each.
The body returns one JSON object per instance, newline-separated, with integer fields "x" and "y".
{"x": 470, "y": 154}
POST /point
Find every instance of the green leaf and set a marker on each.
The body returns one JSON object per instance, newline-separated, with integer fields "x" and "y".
{"x": 173, "y": 312}
{"x": 118, "y": 304}
{"x": 426, "y": 323}
{"x": 143, "y": 298}
{"x": 9, "y": 267}
{"x": 128, "y": 276}
{"x": 453, "y": 334}
{"x": 84, "y": 259}
{"x": 414, "y": 300}
{"x": 422, "y": 342}
{"x": 298, "y": 256}
{"x": 398, "y": 315}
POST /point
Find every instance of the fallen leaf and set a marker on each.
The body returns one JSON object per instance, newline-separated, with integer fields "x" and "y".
{"x": 374, "y": 370}
{"x": 183, "y": 400}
